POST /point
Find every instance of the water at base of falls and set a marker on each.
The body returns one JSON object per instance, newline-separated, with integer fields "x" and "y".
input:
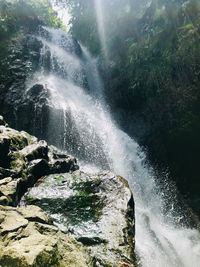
{"x": 89, "y": 133}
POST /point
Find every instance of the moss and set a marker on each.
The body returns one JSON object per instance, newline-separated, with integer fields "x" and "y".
{"x": 87, "y": 188}
{"x": 18, "y": 142}
{"x": 77, "y": 209}
{"x": 18, "y": 164}
{"x": 48, "y": 259}
{"x": 59, "y": 179}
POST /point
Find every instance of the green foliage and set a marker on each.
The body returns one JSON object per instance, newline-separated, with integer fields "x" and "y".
{"x": 163, "y": 75}
{"x": 27, "y": 14}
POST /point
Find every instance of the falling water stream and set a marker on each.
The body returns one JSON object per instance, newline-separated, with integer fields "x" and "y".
{"x": 90, "y": 134}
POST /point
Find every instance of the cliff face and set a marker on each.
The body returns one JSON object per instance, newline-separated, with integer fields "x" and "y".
{"x": 89, "y": 219}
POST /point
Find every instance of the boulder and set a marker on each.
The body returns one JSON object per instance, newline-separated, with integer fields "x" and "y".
{"x": 66, "y": 164}
{"x": 24, "y": 160}
{"x": 38, "y": 167}
{"x": 36, "y": 151}
{"x": 4, "y": 148}
{"x": 16, "y": 139}
{"x": 9, "y": 190}
{"x": 6, "y": 173}
{"x": 59, "y": 162}
{"x": 98, "y": 210}
{"x": 27, "y": 239}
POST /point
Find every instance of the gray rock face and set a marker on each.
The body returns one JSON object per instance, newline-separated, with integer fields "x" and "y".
{"x": 2, "y": 121}
{"x": 36, "y": 151}
{"x": 98, "y": 210}
{"x": 23, "y": 160}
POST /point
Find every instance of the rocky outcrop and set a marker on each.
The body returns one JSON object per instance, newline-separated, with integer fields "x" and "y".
{"x": 98, "y": 210}
{"x": 89, "y": 219}
{"x": 27, "y": 238}
{"x": 23, "y": 160}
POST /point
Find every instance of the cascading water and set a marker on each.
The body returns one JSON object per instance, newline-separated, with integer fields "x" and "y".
{"x": 89, "y": 133}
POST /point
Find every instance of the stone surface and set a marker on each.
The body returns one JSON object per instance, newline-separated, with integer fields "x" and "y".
{"x": 24, "y": 159}
{"x": 36, "y": 151}
{"x": 25, "y": 242}
{"x": 2, "y": 121}
{"x": 98, "y": 210}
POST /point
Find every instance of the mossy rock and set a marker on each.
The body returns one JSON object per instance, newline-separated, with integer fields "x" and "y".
{"x": 97, "y": 209}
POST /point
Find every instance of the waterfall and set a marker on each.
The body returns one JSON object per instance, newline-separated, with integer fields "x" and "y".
{"x": 88, "y": 131}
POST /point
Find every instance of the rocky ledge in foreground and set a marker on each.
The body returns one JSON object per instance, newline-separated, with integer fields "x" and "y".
{"x": 28, "y": 239}
{"x": 82, "y": 219}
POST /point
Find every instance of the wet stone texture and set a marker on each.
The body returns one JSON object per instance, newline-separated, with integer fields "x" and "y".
{"x": 98, "y": 210}
{"x": 23, "y": 160}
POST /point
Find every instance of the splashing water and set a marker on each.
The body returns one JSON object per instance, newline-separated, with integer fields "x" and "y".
{"x": 89, "y": 132}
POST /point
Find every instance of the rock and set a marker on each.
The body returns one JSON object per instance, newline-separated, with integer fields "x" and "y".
{"x": 18, "y": 163}
{"x": 9, "y": 190}
{"x": 25, "y": 242}
{"x": 2, "y": 121}
{"x": 25, "y": 159}
{"x": 60, "y": 162}
{"x": 17, "y": 140}
{"x": 4, "y": 148}
{"x": 5, "y": 181}
{"x": 98, "y": 210}
{"x": 34, "y": 213}
{"x": 11, "y": 220}
{"x": 35, "y": 151}
{"x": 37, "y": 168}
{"x": 6, "y": 173}
{"x": 35, "y": 90}
{"x": 4, "y": 200}
{"x": 63, "y": 165}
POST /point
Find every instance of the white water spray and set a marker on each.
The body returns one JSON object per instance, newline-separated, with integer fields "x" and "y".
{"x": 161, "y": 240}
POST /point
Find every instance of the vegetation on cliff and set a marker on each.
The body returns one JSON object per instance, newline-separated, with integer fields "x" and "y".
{"x": 27, "y": 14}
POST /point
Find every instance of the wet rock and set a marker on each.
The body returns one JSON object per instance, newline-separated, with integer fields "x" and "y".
{"x": 34, "y": 214}
{"x": 18, "y": 164}
{"x": 66, "y": 164}
{"x": 4, "y": 201}
{"x": 60, "y": 162}
{"x": 4, "y": 148}
{"x": 2, "y": 121}
{"x": 25, "y": 242}
{"x": 25, "y": 159}
{"x": 6, "y": 173}
{"x": 36, "y": 90}
{"x": 96, "y": 209}
{"x": 38, "y": 168}
{"x": 9, "y": 190}
{"x": 17, "y": 139}
{"x": 35, "y": 151}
